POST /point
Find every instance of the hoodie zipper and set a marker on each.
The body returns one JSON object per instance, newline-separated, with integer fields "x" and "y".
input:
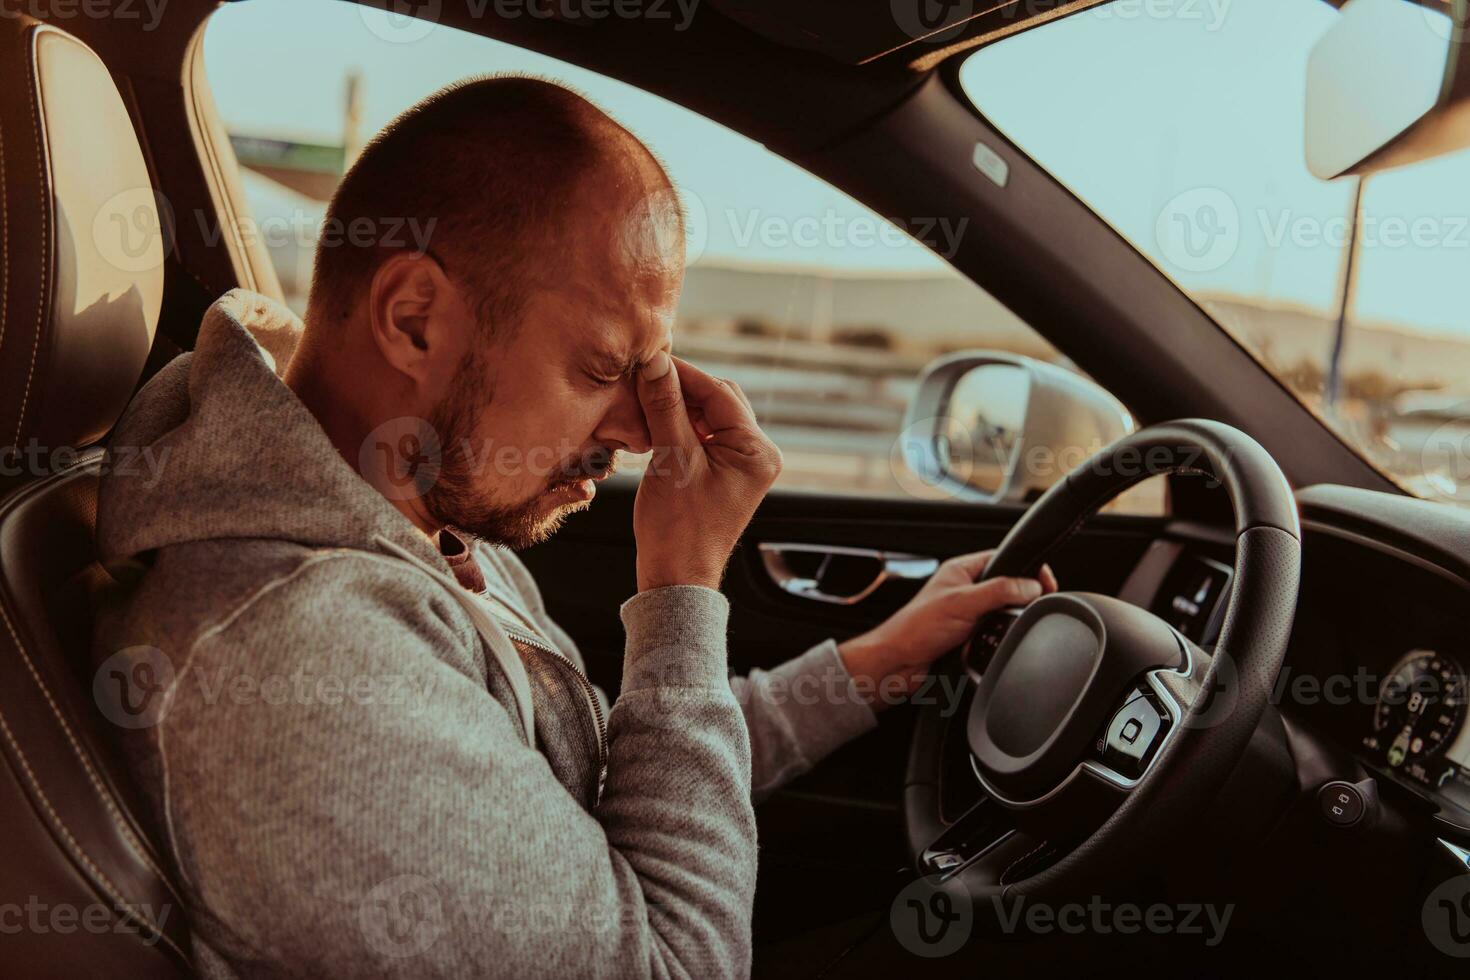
{"x": 515, "y": 632}
{"x": 588, "y": 691}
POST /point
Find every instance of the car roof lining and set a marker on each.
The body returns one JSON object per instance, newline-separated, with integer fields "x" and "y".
{"x": 852, "y": 125}
{"x": 903, "y": 31}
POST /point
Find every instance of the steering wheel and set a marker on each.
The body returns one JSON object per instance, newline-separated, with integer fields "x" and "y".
{"x": 1093, "y": 729}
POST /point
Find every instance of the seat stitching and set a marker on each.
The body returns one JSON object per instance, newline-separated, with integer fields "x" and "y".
{"x": 134, "y": 844}
{"x": 4, "y": 245}
{"x": 45, "y": 254}
{"x": 81, "y": 755}
{"x": 112, "y": 890}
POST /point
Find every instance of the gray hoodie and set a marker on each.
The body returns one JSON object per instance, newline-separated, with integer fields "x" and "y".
{"x": 363, "y": 768}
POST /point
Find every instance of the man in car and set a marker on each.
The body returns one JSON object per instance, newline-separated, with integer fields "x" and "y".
{"x": 369, "y": 749}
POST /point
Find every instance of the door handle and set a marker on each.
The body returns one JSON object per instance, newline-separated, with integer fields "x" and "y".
{"x": 817, "y": 562}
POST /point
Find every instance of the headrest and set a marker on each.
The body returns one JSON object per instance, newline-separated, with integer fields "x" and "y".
{"x": 81, "y": 249}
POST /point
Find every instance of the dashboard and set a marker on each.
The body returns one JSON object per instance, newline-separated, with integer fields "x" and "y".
{"x": 1381, "y": 645}
{"x": 1419, "y": 724}
{"x": 1378, "y": 660}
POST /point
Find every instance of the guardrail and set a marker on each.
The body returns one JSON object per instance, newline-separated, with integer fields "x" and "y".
{"x": 833, "y": 410}
{"x": 797, "y": 385}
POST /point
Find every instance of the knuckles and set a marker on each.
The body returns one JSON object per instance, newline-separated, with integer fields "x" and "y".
{"x": 767, "y": 460}
{"x": 759, "y": 458}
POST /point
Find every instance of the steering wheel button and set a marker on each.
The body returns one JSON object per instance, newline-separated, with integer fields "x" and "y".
{"x": 946, "y": 861}
{"x": 1131, "y": 736}
{"x": 1341, "y": 802}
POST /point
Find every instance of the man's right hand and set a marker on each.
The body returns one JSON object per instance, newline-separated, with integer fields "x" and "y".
{"x": 699, "y": 490}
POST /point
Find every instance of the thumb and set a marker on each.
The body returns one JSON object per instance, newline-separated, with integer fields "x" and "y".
{"x": 997, "y": 593}
{"x": 663, "y": 404}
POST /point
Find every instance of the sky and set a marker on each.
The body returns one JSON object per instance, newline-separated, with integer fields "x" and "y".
{"x": 755, "y": 207}
{"x": 1169, "y": 117}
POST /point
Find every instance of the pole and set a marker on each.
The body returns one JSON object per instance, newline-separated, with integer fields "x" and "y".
{"x": 1333, "y": 385}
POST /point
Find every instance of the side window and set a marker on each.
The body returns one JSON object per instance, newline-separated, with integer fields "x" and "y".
{"x": 823, "y": 311}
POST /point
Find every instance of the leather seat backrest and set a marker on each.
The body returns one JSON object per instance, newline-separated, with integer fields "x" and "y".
{"x": 83, "y": 889}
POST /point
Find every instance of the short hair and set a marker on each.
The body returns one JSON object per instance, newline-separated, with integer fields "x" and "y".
{"x": 486, "y": 168}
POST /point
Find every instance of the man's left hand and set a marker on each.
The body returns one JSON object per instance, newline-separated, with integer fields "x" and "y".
{"x": 890, "y": 661}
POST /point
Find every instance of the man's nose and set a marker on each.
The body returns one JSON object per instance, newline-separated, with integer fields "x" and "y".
{"x": 624, "y": 423}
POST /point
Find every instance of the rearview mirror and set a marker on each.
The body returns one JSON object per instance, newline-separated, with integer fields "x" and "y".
{"x": 1388, "y": 85}
{"x": 1000, "y": 428}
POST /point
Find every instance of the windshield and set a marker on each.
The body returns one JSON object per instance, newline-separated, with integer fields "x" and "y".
{"x": 1181, "y": 123}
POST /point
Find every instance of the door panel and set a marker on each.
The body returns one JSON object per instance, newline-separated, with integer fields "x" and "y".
{"x": 831, "y": 840}
{"x": 587, "y": 570}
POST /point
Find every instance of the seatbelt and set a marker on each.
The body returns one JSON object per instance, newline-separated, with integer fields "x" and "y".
{"x": 490, "y": 631}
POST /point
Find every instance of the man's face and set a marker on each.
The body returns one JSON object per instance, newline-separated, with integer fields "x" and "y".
{"x": 531, "y": 423}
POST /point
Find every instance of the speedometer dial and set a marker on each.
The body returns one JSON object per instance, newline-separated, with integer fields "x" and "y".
{"x": 1421, "y": 706}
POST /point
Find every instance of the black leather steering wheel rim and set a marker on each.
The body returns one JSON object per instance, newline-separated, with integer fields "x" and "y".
{"x": 1216, "y": 729}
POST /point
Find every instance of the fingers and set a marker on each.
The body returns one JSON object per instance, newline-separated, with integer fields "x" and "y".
{"x": 997, "y": 593}
{"x": 662, "y": 399}
{"x": 974, "y": 563}
{"x": 743, "y": 396}
{"x": 701, "y": 428}
{"x": 723, "y": 403}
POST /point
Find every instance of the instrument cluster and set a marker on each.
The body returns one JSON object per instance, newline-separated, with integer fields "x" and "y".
{"x": 1418, "y": 730}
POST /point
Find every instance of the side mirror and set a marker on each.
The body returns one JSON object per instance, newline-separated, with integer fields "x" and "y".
{"x": 1388, "y": 85}
{"x": 1000, "y": 428}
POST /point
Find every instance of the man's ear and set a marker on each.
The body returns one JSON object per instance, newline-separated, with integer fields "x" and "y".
{"x": 415, "y": 314}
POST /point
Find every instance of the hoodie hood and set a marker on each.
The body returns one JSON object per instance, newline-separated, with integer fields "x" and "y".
{"x": 217, "y": 446}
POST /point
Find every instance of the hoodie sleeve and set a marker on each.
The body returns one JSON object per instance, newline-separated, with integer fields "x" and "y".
{"x": 797, "y": 713}
{"x": 384, "y": 818}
